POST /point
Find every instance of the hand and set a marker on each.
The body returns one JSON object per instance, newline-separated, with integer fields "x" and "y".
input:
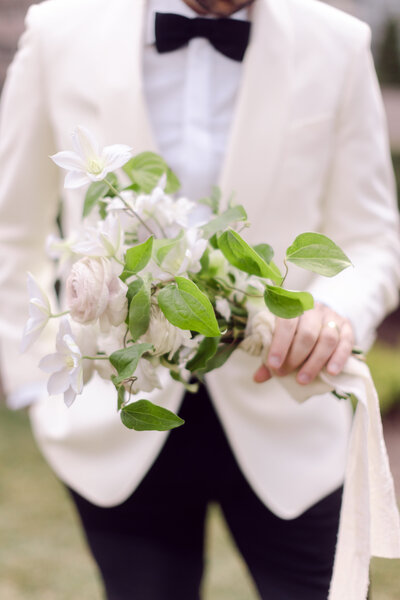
{"x": 319, "y": 338}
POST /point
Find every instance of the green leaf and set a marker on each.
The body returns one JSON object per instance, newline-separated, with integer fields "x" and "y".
{"x": 265, "y": 251}
{"x": 231, "y": 215}
{"x": 285, "y": 303}
{"x": 213, "y": 200}
{"x": 220, "y": 357}
{"x": 133, "y": 288}
{"x": 164, "y": 245}
{"x": 136, "y": 258}
{"x": 97, "y": 191}
{"x": 206, "y": 350}
{"x": 186, "y": 307}
{"x": 143, "y": 415}
{"x": 318, "y": 253}
{"x": 244, "y": 257}
{"x": 126, "y": 360}
{"x": 146, "y": 169}
{"x": 139, "y": 313}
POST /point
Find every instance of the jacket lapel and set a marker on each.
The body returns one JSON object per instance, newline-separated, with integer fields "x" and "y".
{"x": 124, "y": 112}
{"x": 258, "y": 131}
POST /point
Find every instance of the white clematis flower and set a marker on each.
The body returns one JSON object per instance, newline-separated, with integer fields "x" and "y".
{"x": 65, "y": 366}
{"x": 105, "y": 240}
{"x": 39, "y": 313}
{"x": 88, "y": 162}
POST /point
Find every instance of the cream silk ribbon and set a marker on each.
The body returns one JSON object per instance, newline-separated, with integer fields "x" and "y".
{"x": 369, "y": 520}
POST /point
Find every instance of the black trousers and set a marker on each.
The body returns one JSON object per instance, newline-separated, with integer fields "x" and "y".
{"x": 151, "y": 546}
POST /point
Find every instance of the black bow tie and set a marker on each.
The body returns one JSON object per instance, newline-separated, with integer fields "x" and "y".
{"x": 229, "y": 36}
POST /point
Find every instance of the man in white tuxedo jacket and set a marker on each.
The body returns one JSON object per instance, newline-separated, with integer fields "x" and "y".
{"x": 297, "y": 132}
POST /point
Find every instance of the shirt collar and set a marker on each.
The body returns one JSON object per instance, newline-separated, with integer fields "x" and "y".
{"x": 180, "y": 8}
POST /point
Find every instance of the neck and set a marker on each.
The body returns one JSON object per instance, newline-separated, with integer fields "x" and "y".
{"x": 218, "y": 8}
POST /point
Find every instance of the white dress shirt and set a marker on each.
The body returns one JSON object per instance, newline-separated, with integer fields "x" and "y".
{"x": 191, "y": 95}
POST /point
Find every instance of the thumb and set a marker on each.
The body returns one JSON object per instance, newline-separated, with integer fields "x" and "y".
{"x": 262, "y": 374}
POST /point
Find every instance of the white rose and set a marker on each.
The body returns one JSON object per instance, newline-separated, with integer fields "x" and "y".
{"x": 146, "y": 378}
{"x": 165, "y": 337}
{"x": 260, "y": 327}
{"x": 94, "y": 291}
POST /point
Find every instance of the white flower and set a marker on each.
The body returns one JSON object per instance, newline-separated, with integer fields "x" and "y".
{"x": 106, "y": 239}
{"x": 94, "y": 291}
{"x": 146, "y": 378}
{"x": 223, "y": 307}
{"x": 165, "y": 337}
{"x": 186, "y": 253}
{"x": 88, "y": 162}
{"x": 65, "y": 366}
{"x": 258, "y": 335}
{"x": 108, "y": 343}
{"x": 39, "y": 313}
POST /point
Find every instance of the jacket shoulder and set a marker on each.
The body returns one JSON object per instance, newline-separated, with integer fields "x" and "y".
{"x": 319, "y": 21}
{"x": 58, "y": 16}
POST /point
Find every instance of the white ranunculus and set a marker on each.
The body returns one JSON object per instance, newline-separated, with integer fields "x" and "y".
{"x": 146, "y": 378}
{"x": 94, "y": 291}
{"x": 165, "y": 337}
{"x": 88, "y": 162}
{"x": 258, "y": 335}
{"x": 65, "y": 366}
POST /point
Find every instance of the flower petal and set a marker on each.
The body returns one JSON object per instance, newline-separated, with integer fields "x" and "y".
{"x": 85, "y": 144}
{"x": 58, "y": 383}
{"x": 52, "y": 363}
{"x": 116, "y": 156}
{"x": 68, "y": 160}
{"x": 32, "y": 330}
{"x": 75, "y": 179}
{"x": 69, "y": 397}
{"x": 36, "y": 291}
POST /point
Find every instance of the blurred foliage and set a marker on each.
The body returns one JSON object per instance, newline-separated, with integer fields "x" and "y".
{"x": 383, "y": 361}
{"x": 388, "y": 63}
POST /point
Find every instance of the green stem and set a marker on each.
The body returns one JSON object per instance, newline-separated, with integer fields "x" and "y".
{"x": 129, "y": 208}
{"x": 231, "y": 287}
{"x": 286, "y": 272}
{"x": 95, "y": 357}
{"x": 59, "y": 315}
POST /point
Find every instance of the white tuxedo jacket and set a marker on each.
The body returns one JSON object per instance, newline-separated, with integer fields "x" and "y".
{"x": 308, "y": 152}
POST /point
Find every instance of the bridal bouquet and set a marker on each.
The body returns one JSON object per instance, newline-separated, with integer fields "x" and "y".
{"x": 148, "y": 288}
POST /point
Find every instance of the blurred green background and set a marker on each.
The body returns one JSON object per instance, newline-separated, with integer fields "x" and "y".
{"x": 42, "y": 553}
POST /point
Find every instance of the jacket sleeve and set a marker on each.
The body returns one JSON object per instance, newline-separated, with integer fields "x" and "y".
{"x": 28, "y": 204}
{"x": 360, "y": 212}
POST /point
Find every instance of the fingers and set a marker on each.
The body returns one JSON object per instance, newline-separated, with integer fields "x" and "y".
{"x": 327, "y": 343}
{"x": 343, "y": 350}
{"x": 282, "y": 340}
{"x": 319, "y": 339}
{"x": 262, "y": 374}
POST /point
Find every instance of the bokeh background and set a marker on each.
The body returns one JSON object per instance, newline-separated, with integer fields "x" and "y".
{"x": 42, "y": 553}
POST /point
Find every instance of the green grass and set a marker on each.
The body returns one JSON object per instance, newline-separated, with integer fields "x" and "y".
{"x": 43, "y": 555}
{"x": 383, "y": 361}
